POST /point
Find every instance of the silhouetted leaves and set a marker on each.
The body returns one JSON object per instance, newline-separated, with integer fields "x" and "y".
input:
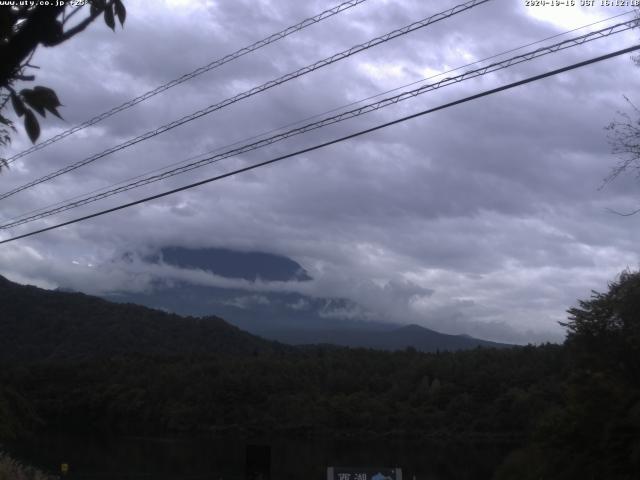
{"x": 5, "y": 121}
{"x": 48, "y": 30}
{"x": 120, "y": 11}
{"x": 52, "y": 33}
{"x": 18, "y": 106}
{"x": 109, "y": 19}
{"x": 31, "y": 125}
{"x": 42, "y": 99}
{"x": 7, "y": 21}
{"x": 5, "y": 137}
{"x": 96, "y": 6}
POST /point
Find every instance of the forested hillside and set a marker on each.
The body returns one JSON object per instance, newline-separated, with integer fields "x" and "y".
{"x": 37, "y": 324}
{"x": 569, "y": 411}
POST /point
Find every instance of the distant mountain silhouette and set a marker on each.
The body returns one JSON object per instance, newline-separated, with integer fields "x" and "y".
{"x": 287, "y": 317}
{"x": 389, "y": 338}
{"x": 256, "y": 312}
{"x": 38, "y": 324}
{"x": 269, "y": 315}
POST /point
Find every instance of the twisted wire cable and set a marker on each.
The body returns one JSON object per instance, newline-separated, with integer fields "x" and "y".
{"x": 317, "y": 115}
{"x": 359, "y": 133}
{"x": 188, "y": 76}
{"x": 371, "y": 107}
{"x": 254, "y": 91}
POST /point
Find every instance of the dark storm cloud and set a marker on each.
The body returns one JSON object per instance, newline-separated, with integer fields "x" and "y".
{"x": 484, "y": 219}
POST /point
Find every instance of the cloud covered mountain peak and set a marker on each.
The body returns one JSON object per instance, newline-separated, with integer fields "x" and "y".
{"x": 251, "y": 266}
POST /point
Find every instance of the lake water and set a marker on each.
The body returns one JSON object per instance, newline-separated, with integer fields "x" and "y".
{"x": 117, "y": 458}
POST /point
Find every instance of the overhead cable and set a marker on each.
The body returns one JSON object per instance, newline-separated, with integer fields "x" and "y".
{"x": 254, "y": 91}
{"x": 331, "y": 142}
{"x": 314, "y": 116}
{"x": 188, "y": 76}
{"x": 618, "y": 28}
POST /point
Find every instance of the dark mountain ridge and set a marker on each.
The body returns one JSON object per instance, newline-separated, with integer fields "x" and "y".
{"x": 397, "y": 338}
{"x": 38, "y": 324}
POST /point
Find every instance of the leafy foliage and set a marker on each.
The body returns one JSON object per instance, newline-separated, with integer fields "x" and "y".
{"x": 605, "y": 330}
{"x": 597, "y": 425}
{"x": 22, "y": 29}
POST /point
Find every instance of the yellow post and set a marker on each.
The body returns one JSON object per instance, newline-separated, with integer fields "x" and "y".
{"x": 64, "y": 469}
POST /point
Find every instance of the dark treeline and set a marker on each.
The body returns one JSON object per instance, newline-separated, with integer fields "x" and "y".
{"x": 570, "y": 411}
{"x": 320, "y": 390}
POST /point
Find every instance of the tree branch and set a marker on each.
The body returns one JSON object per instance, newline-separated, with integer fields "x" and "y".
{"x": 26, "y": 40}
{"x": 82, "y": 25}
{"x": 75, "y": 10}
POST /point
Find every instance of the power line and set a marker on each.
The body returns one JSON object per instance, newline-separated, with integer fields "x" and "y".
{"x": 255, "y": 90}
{"x": 334, "y": 119}
{"x": 580, "y": 40}
{"x": 318, "y": 115}
{"x": 188, "y": 76}
{"x": 332, "y": 142}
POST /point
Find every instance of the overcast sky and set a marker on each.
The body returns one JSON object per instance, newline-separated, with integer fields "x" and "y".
{"x": 485, "y": 218}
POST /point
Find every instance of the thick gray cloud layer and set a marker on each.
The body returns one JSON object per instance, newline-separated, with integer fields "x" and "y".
{"x": 485, "y": 218}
